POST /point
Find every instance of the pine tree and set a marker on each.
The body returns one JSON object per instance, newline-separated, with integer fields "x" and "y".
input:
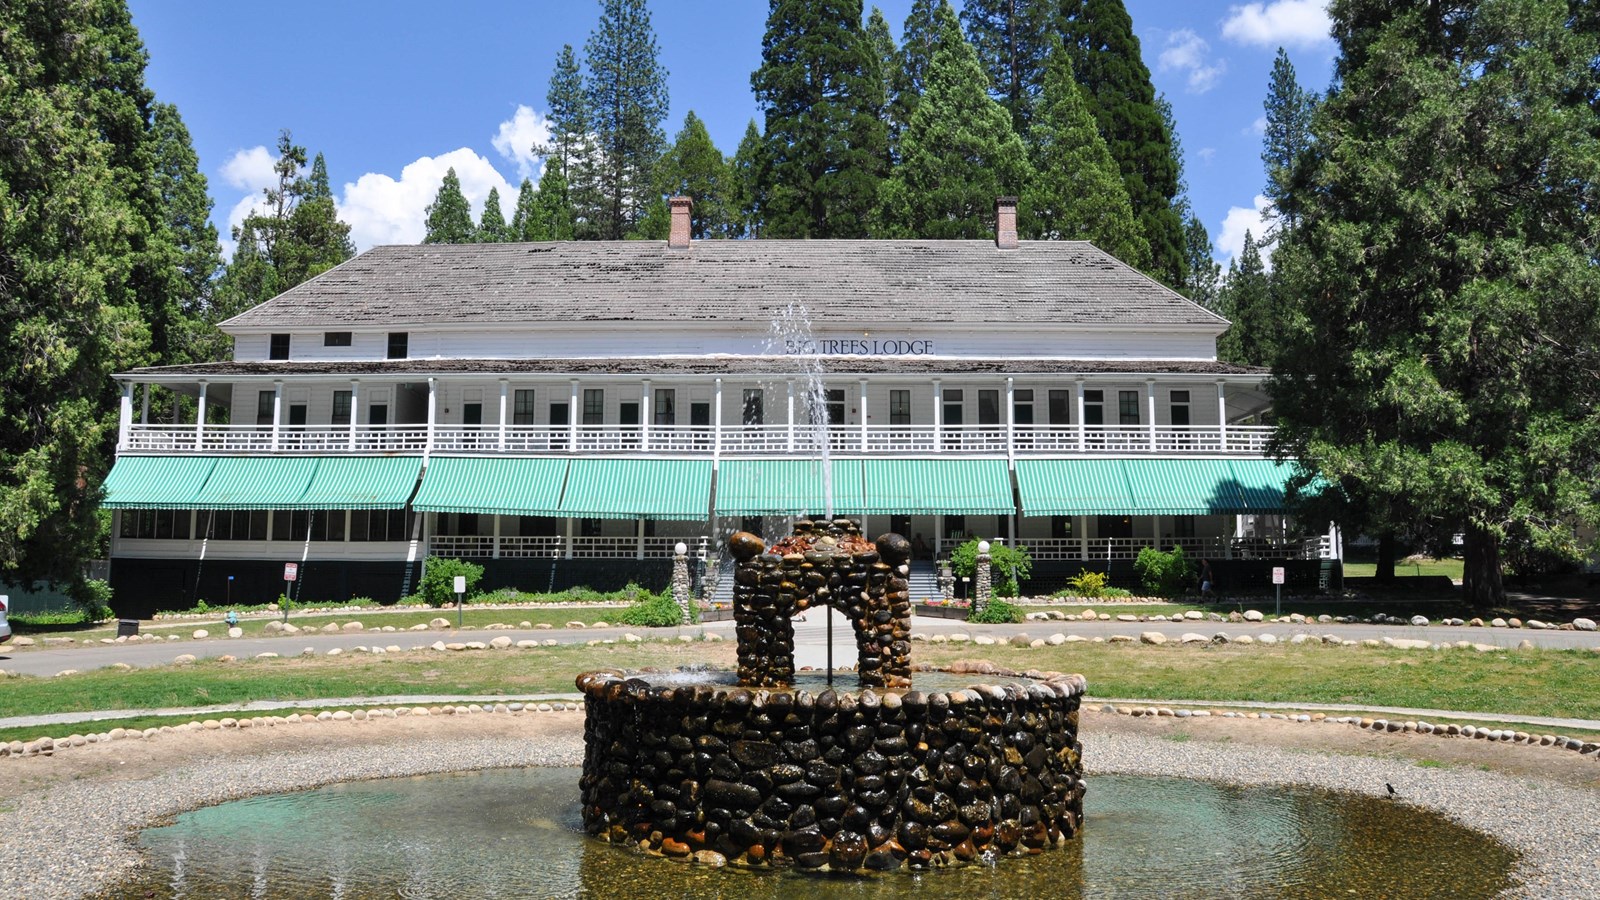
{"x": 571, "y": 151}
{"x": 1287, "y": 141}
{"x": 918, "y": 36}
{"x": 449, "y": 215}
{"x": 181, "y": 188}
{"x": 1246, "y": 299}
{"x": 552, "y": 215}
{"x": 887, "y": 57}
{"x": 1203, "y": 284}
{"x": 525, "y": 224}
{"x": 825, "y": 140}
{"x": 317, "y": 240}
{"x": 1442, "y": 362}
{"x": 1116, "y": 83}
{"x": 1076, "y": 192}
{"x": 492, "y": 228}
{"x": 1013, "y": 39}
{"x": 626, "y": 96}
{"x": 748, "y": 173}
{"x": 695, "y": 168}
{"x": 957, "y": 154}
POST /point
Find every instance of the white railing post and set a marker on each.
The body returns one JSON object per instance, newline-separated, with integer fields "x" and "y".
{"x": 1150, "y": 398}
{"x": 716, "y": 423}
{"x": 1222, "y": 417}
{"x": 125, "y": 416}
{"x": 1081, "y": 442}
{"x": 277, "y": 412}
{"x": 863, "y": 419}
{"x": 433, "y": 408}
{"x": 144, "y": 405}
{"x": 200, "y": 420}
{"x": 573, "y": 412}
{"x": 938, "y": 415}
{"x": 791, "y": 414}
{"x": 505, "y": 391}
{"x": 355, "y": 410}
{"x": 646, "y": 413}
{"x": 1011, "y": 418}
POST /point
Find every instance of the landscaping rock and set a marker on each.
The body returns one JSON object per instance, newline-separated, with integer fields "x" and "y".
{"x": 353, "y": 626}
{"x": 201, "y": 633}
{"x": 1419, "y": 620}
{"x": 1583, "y": 624}
{"x": 1251, "y": 615}
{"x": 1152, "y": 637}
{"x": 235, "y": 632}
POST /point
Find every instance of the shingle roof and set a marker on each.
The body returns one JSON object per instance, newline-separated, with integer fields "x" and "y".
{"x": 961, "y": 282}
{"x": 709, "y": 365}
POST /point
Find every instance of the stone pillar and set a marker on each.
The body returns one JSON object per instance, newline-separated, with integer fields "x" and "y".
{"x": 947, "y": 584}
{"x": 680, "y": 581}
{"x": 982, "y": 583}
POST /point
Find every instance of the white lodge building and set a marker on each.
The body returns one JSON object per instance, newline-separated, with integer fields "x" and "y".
{"x": 564, "y": 413}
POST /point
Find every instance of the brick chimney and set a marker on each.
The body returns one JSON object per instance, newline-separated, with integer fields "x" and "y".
{"x": 678, "y": 237}
{"x": 1005, "y": 223}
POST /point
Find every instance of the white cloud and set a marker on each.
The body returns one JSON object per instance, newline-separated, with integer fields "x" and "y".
{"x": 1188, "y": 52}
{"x": 518, "y": 136}
{"x": 1258, "y": 128}
{"x": 1230, "y": 242}
{"x": 1206, "y": 154}
{"x": 383, "y": 210}
{"x": 1286, "y": 23}
{"x": 251, "y": 172}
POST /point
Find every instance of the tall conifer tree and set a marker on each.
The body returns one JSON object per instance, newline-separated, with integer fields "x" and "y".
{"x": 918, "y": 36}
{"x": 1246, "y": 299}
{"x": 748, "y": 171}
{"x": 1287, "y": 141}
{"x": 887, "y": 56}
{"x": 818, "y": 89}
{"x": 553, "y": 217}
{"x": 957, "y": 154}
{"x": 695, "y": 168}
{"x": 525, "y": 216}
{"x": 449, "y": 215}
{"x": 626, "y": 97}
{"x": 1013, "y": 40}
{"x": 1115, "y": 81}
{"x": 492, "y": 228}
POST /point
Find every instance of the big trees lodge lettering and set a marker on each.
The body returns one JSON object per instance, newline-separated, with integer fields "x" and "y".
{"x": 839, "y": 347}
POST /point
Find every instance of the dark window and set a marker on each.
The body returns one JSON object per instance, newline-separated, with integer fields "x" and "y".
{"x": 467, "y": 523}
{"x": 336, "y": 339}
{"x": 628, "y": 412}
{"x": 532, "y": 526}
{"x": 835, "y": 398}
{"x": 988, "y": 407}
{"x": 399, "y": 342}
{"x": 290, "y": 525}
{"x": 256, "y": 527}
{"x": 279, "y": 347}
{"x": 1094, "y": 409}
{"x": 589, "y": 527}
{"x": 1061, "y": 527}
{"x": 751, "y": 524}
{"x": 1022, "y": 407}
{"x": 359, "y": 525}
{"x": 341, "y": 408}
{"x": 1183, "y": 526}
{"x": 1128, "y": 407}
{"x": 1114, "y": 527}
{"x": 755, "y": 406}
{"x": 218, "y": 526}
{"x": 264, "y": 402}
{"x": 297, "y": 414}
{"x": 700, "y": 413}
{"x": 522, "y": 407}
{"x": 327, "y": 525}
{"x": 666, "y": 407}
{"x": 378, "y": 414}
{"x": 558, "y": 413}
{"x": 955, "y": 527}
{"x": 899, "y": 407}
{"x": 953, "y": 407}
{"x": 378, "y": 525}
{"x": 472, "y": 413}
{"x": 594, "y": 406}
{"x": 1060, "y": 407}
{"x": 1180, "y": 407}
{"x": 157, "y": 524}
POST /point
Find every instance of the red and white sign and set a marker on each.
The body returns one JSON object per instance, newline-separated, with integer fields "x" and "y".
{"x": 1277, "y": 574}
{"x": 291, "y": 571}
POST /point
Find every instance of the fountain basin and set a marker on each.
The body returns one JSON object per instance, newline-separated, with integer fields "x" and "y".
{"x": 874, "y": 779}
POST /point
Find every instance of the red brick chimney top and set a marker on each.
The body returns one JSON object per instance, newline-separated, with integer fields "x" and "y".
{"x": 678, "y": 237}
{"x": 1005, "y": 223}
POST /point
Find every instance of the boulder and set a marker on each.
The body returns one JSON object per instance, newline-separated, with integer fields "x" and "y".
{"x": 1419, "y": 620}
{"x": 201, "y": 633}
{"x": 235, "y": 632}
{"x": 1583, "y": 624}
{"x": 1252, "y": 615}
{"x": 439, "y": 622}
{"x": 1152, "y": 637}
{"x": 1190, "y": 637}
{"x": 500, "y": 643}
{"x": 353, "y": 626}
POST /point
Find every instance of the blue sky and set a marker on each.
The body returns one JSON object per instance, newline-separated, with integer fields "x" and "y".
{"x": 394, "y": 92}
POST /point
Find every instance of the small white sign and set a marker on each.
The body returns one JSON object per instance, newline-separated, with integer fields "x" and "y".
{"x": 291, "y": 571}
{"x": 461, "y": 584}
{"x": 1277, "y": 574}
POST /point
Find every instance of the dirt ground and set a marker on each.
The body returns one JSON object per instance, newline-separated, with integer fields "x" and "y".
{"x": 137, "y": 759}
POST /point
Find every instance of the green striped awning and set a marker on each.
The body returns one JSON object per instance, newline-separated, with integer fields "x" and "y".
{"x": 512, "y": 487}
{"x": 1183, "y": 487}
{"x": 631, "y": 488}
{"x": 362, "y": 482}
{"x": 241, "y": 482}
{"x": 156, "y": 482}
{"x": 783, "y": 487}
{"x": 1074, "y": 487}
{"x": 1261, "y": 483}
{"x": 953, "y": 486}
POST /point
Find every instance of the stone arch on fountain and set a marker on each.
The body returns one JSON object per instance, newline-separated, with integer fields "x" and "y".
{"x": 822, "y": 564}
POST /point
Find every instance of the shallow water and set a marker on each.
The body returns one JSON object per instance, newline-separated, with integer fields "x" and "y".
{"x": 515, "y": 833}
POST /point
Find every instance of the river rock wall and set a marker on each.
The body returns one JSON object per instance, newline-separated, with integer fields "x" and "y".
{"x": 840, "y": 781}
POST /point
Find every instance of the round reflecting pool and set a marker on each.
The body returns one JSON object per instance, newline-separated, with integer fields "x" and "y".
{"x": 515, "y": 833}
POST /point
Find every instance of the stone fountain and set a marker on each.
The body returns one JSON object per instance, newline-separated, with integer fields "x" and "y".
{"x": 763, "y": 771}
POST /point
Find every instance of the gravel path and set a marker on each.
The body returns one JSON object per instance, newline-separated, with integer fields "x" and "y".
{"x": 71, "y": 839}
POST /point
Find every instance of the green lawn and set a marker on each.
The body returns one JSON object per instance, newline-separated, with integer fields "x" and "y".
{"x": 370, "y": 618}
{"x": 1448, "y": 567}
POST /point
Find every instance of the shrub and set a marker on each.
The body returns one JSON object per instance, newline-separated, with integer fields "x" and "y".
{"x": 1008, "y": 565}
{"x": 438, "y": 579}
{"x": 1091, "y": 585}
{"x": 651, "y": 611}
{"x": 997, "y": 612}
{"x": 1164, "y": 574}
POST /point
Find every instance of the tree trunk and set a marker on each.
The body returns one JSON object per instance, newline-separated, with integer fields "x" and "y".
{"x": 1385, "y": 568}
{"x": 1481, "y": 583}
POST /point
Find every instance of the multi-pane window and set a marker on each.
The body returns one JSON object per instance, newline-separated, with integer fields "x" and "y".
{"x": 155, "y": 524}
{"x": 755, "y": 403}
{"x": 1180, "y": 407}
{"x": 835, "y": 397}
{"x": 1061, "y": 527}
{"x": 378, "y": 525}
{"x": 953, "y": 407}
{"x": 899, "y": 407}
{"x": 522, "y": 407}
{"x": 1094, "y": 407}
{"x": 264, "y": 403}
{"x": 988, "y": 407}
{"x": 336, "y": 339}
{"x": 235, "y": 525}
{"x": 1183, "y": 526}
{"x": 1060, "y": 407}
{"x": 1128, "y": 407}
{"x": 278, "y": 347}
{"x": 666, "y": 402}
{"x": 399, "y": 344}
{"x": 341, "y": 408}
{"x": 327, "y": 525}
{"x": 290, "y": 525}
{"x": 594, "y": 406}
{"x": 1022, "y": 407}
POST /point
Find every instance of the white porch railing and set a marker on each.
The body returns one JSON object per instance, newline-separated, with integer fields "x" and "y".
{"x": 482, "y": 546}
{"x": 1317, "y": 547}
{"x": 732, "y": 440}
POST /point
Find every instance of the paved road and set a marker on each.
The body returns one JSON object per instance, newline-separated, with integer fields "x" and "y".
{"x": 810, "y": 639}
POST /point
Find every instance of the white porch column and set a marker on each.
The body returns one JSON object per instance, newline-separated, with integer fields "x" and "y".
{"x": 716, "y": 422}
{"x": 1222, "y": 417}
{"x": 863, "y": 415}
{"x": 639, "y": 554}
{"x": 505, "y": 391}
{"x": 1080, "y": 416}
{"x": 572, "y": 418}
{"x": 355, "y": 411}
{"x": 125, "y": 417}
{"x": 433, "y": 409}
{"x": 1083, "y": 536}
{"x": 200, "y": 419}
{"x": 790, "y": 383}
{"x": 144, "y": 406}
{"x": 277, "y": 411}
{"x": 1155, "y": 524}
{"x": 938, "y": 417}
{"x": 1150, "y": 402}
{"x": 496, "y": 553}
{"x": 646, "y": 413}
{"x": 1011, "y": 417}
